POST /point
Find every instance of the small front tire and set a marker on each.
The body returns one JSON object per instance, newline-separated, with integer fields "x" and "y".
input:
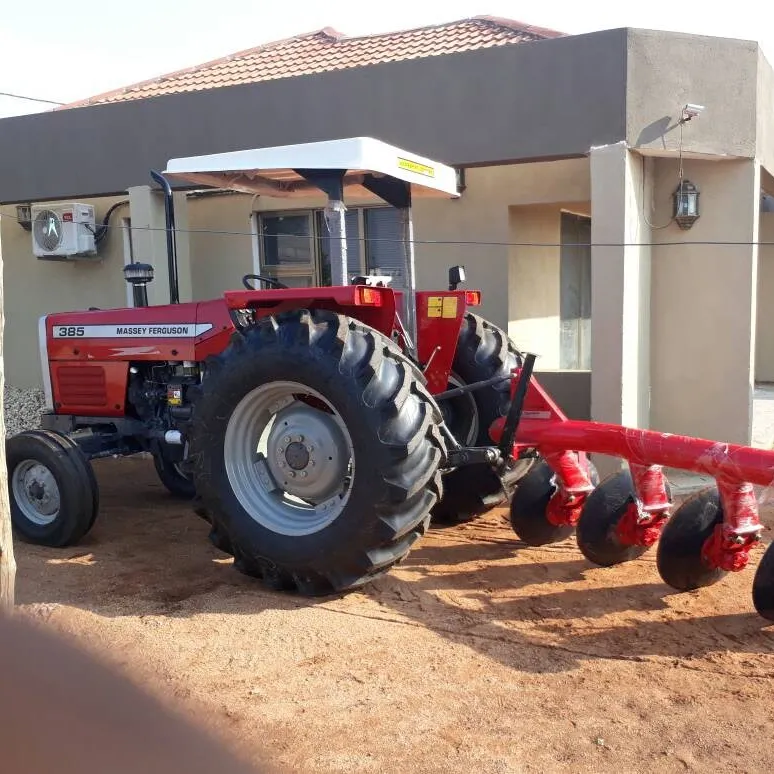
{"x": 51, "y": 488}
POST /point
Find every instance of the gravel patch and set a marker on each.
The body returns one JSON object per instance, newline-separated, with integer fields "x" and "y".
{"x": 22, "y": 408}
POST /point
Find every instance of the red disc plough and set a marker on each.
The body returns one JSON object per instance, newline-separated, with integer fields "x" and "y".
{"x": 710, "y": 534}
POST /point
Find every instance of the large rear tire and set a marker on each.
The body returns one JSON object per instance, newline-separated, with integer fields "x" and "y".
{"x": 316, "y": 452}
{"x": 484, "y": 351}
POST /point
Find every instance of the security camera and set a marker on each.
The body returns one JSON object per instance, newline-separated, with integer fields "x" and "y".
{"x": 691, "y": 111}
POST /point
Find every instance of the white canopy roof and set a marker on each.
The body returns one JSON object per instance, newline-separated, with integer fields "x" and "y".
{"x": 269, "y": 171}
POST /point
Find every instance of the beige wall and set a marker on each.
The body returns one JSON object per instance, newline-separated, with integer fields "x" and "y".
{"x": 533, "y": 281}
{"x": 667, "y": 70}
{"x": 765, "y": 112}
{"x": 34, "y": 287}
{"x": 620, "y": 291}
{"x": 764, "y": 337}
{"x": 534, "y": 278}
{"x": 704, "y": 304}
{"x": 219, "y": 259}
{"x": 483, "y": 215}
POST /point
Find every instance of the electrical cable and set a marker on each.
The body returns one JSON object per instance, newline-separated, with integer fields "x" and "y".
{"x": 470, "y": 243}
{"x": 30, "y": 99}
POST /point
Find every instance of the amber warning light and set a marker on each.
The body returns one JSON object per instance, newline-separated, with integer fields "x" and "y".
{"x": 368, "y": 297}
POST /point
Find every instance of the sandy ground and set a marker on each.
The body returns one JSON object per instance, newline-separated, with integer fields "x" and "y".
{"x": 477, "y": 655}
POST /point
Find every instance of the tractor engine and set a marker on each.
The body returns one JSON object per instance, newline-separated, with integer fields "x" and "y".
{"x": 157, "y": 394}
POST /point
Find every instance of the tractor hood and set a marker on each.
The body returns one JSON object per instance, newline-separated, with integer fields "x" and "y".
{"x": 272, "y": 171}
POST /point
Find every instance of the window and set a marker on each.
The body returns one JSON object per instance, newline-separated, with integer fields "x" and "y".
{"x": 287, "y": 248}
{"x": 294, "y": 246}
{"x": 575, "y": 293}
{"x": 352, "y": 220}
{"x": 384, "y": 250}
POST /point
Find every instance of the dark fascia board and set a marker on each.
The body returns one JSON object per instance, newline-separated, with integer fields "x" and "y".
{"x": 544, "y": 100}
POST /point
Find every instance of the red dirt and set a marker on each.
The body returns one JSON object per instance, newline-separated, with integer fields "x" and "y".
{"x": 477, "y": 654}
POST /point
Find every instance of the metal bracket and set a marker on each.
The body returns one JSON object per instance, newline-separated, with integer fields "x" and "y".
{"x": 517, "y": 406}
{"x": 488, "y": 455}
{"x": 457, "y": 391}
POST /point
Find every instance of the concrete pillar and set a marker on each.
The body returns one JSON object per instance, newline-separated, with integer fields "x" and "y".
{"x": 764, "y": 328}
{"x": 704, "y": 303}
{"x": 620, "y": 293}
{"x": 149, "y": 241}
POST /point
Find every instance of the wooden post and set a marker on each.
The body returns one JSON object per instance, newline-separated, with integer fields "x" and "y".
{"x": 7, "y": 559}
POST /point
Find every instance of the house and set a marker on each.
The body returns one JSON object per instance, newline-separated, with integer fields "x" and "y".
{"x": 569, "y": 149}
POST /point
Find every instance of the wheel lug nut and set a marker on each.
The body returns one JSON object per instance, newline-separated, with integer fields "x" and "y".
{"x": 303, "y": 474}
{"x": 286, "y": 439}
{"x": 292, "y": 474}
{"x": 300, "y": 439}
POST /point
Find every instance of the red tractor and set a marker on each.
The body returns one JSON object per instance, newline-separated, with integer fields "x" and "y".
{"x": 319, "y": 430}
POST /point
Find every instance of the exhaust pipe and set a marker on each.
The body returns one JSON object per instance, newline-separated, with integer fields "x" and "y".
{"x": 169, "y": 214}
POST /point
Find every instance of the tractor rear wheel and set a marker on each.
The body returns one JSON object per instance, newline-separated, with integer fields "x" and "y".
{"x": 316, "y": 451}
{"x": 484, "y": 351}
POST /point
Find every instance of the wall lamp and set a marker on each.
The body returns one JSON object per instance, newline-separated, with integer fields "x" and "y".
{"x": 685, "y": 199}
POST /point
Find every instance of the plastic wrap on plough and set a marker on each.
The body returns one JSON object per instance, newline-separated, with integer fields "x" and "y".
{"x": 707, "y": 535}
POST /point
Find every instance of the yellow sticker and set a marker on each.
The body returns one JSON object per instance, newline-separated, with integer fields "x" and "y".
{"x": 449, "y": 306}
{"x": 415, "y": 166}
{"x": 434, "y": 306}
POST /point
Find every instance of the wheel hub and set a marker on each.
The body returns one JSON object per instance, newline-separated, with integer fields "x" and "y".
{"x": 297, "y": 456}
{"x": 308, "y": 455}
{"x": 290, "y": 465}
{"x": 36, "y": 491}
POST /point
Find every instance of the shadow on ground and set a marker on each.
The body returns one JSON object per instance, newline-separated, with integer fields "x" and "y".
{"x": 476, "y": 585}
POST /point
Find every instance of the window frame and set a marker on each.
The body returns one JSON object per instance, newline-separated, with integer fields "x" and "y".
{"x": 257, "y": 218}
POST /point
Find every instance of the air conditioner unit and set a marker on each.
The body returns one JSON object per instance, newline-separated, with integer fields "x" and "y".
{"x": 63, "y": 231}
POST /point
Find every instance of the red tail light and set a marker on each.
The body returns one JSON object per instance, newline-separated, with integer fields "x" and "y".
{"x": 473, "y": 297}
{"x": 368, "y": 297}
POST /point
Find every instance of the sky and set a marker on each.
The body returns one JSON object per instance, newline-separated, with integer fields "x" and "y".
{"x": 64, "y": 51}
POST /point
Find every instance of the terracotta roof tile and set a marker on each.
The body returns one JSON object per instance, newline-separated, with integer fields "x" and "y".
{"x": 327, "y": 50}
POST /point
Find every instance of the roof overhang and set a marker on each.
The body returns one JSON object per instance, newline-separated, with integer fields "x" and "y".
{"x": 275, "y": 171}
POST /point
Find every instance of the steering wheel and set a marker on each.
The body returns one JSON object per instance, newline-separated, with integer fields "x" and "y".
{"x": 268, "y": 280}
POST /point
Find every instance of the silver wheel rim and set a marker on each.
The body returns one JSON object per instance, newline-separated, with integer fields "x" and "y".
{"x": 36, "y": 492}
{"x": 290, "y": 464}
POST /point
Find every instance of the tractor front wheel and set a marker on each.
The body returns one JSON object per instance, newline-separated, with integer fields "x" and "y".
{"x": 52, "y": 488}
{"x": 316, "y": 451}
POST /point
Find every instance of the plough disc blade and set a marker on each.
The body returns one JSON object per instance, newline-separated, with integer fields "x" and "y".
{"x": 763, "y": 585}
{"x": 679, "y": 558}
{"x": 597, "y": 532}
{"x": 529, "y": 508}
